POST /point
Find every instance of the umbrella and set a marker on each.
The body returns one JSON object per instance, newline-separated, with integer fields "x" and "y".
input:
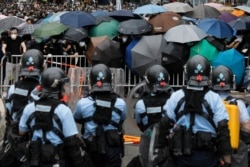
{"x": 164, "y": 21}
{"x": 77, "y": 19}
{"x": 49, "y": 29}
{"x": 243, "y": 8}
{"x": 2, "y": 16}
{"x": 10, "y": 21}
{"x": 149, "y": 9}
{"x": 238, "y": 12}
{"x": 28, "y": 29}
{"x": 75, "y": 34}
{"x": 94, "y": 41}
{"x": 108, "y": 52}
{"x": 128, "y": 54}
{"x": 175, "y": 56}
{"x": 53, "y": 18}
{"x": 147, "y": 52}
{"x": 122, "y": 15}
{"x": 134, "y": 27}
{"x": 232, "y": 59}
{"x": 178, "y": 7}
{"x": 227, "y": 17}
{"x": 214, "y": 5}
{"x": 99, "y": 13}
{"x": 184, "y": 33}
{"x": 240, "y": 24}
{"x": 205, "y": 49}
{"x": 99, "y": 19}
{"x": 203, "y": 11}
{"x": 216, "y": 27}
{"x": 105, "y": 29}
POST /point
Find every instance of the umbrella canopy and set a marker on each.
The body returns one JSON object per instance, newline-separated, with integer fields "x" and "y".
{"x": 214, "y": 5}
{"x": 52, "y": 18}
{"x": 128, "y": 54}
{"x": 175, "y": 55}
{"x": 94, "y": 41}
{"x": 149, "y": 49}
{"x": 75, "y": 34}
{"x": 232, "y": 59}
{"x": 27, "y": 28}
{"x": 122, "y": 15}
{"x": 216, "y": 27}
{"x": 238, "y": 12}
{"x": 184, "y": 33}
{"x": 178, "y": 7}
{"x": 77, "y": 19}
{"x": 49, "y": 29}
{"x": 134, "y": 27}
{"x": 100, "y": 19}
{"x": 149, "y": 9}
{"x": 205, "y": 49}
{"x": 243, "y": 8}
{"x": 108, "y": 52}
{"x": 203, "y": 11}
{"x": 164, "y": 21}
{"x": 105, "y": 29}
{"x": 227, "y": 17}
{"x": 240, "y": 24}
{"x": 2, "y": 16}
{"x": 99, "y": 13}
{"x": 10, "y": 21}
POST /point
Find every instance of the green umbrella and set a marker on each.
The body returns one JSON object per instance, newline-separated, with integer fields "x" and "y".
{"x": 105, "y": 29}
{"x": 49, "y": 29}
{"x": 204, "y": 48}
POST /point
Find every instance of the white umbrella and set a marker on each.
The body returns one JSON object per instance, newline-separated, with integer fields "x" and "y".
{"x": 178, "y": 7}
{"x": 184, "y": 33}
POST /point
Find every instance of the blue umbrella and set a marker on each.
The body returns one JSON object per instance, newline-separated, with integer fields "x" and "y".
{"x": 216, "y": 28}
{"x": 149, "y": 9}
{"x": 99, "y": 13}
{"x": 232, "y": 59}
{"x": 77, "y": 19}
{"x": 128, "y": 54}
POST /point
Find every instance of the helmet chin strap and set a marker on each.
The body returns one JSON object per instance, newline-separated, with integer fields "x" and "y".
{"x": 50, "y": 94}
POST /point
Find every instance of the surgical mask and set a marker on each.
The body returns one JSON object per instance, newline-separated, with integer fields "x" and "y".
{"x": 13, "y": 36}
{"x": 81, "y": 44}
{"x": 124, "y": 39}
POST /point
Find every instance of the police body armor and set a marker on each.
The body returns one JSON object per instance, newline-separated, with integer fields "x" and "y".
{"x": 43, "y": 117}
{"x": 102, "y": 116}
{"x": 154, "y": 108}
{"x": 183, "y": 140}
{"x": 21, "y": 96}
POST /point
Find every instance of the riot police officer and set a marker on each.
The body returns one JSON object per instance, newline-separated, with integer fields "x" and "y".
{"x": 149, "y": 108}
{"x": 223, "y": 81}
{"x": 102, "y": 114}
{"x": 200, "y": 120}
{"x": 19, "y": 95}
{"x": 54, "y": 139}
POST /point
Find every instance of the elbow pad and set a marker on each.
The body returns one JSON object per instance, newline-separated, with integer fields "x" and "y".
{"x": 223, "y": 138}
{"x": 164, "y": 125}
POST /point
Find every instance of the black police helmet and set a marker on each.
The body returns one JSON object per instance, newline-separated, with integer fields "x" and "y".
{"x": 157, "y": 77}
{"x": 53, "y": 80}
{"x": 222, "y": 78}
{"x": 100, "y": 78}
{"x": 32, "y": 63}
{"x": 198, "y": 71}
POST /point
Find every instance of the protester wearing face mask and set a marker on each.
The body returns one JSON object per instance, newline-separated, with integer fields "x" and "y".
{"x": 12, "y": 45}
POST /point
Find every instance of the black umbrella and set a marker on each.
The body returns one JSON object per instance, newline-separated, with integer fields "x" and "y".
{"x": 203, "y": 11}
{"x": 100, "y": 19}
{"x": 147, "y": 52}
{"x": 122, "y": 15}
{"x": 174, "y": 56}
{"x": 134, "y": 27}
{"x": 108, "y": 52}
{"x": 75, "y": 34}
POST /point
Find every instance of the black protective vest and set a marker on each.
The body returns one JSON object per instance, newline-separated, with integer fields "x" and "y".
{"x": 44, "y": 116}
{"x": 154, "y": 107}
{"x": 194, "y": 100}
{"x": 21, "y": 95}
{"x": 104, "y": 103}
